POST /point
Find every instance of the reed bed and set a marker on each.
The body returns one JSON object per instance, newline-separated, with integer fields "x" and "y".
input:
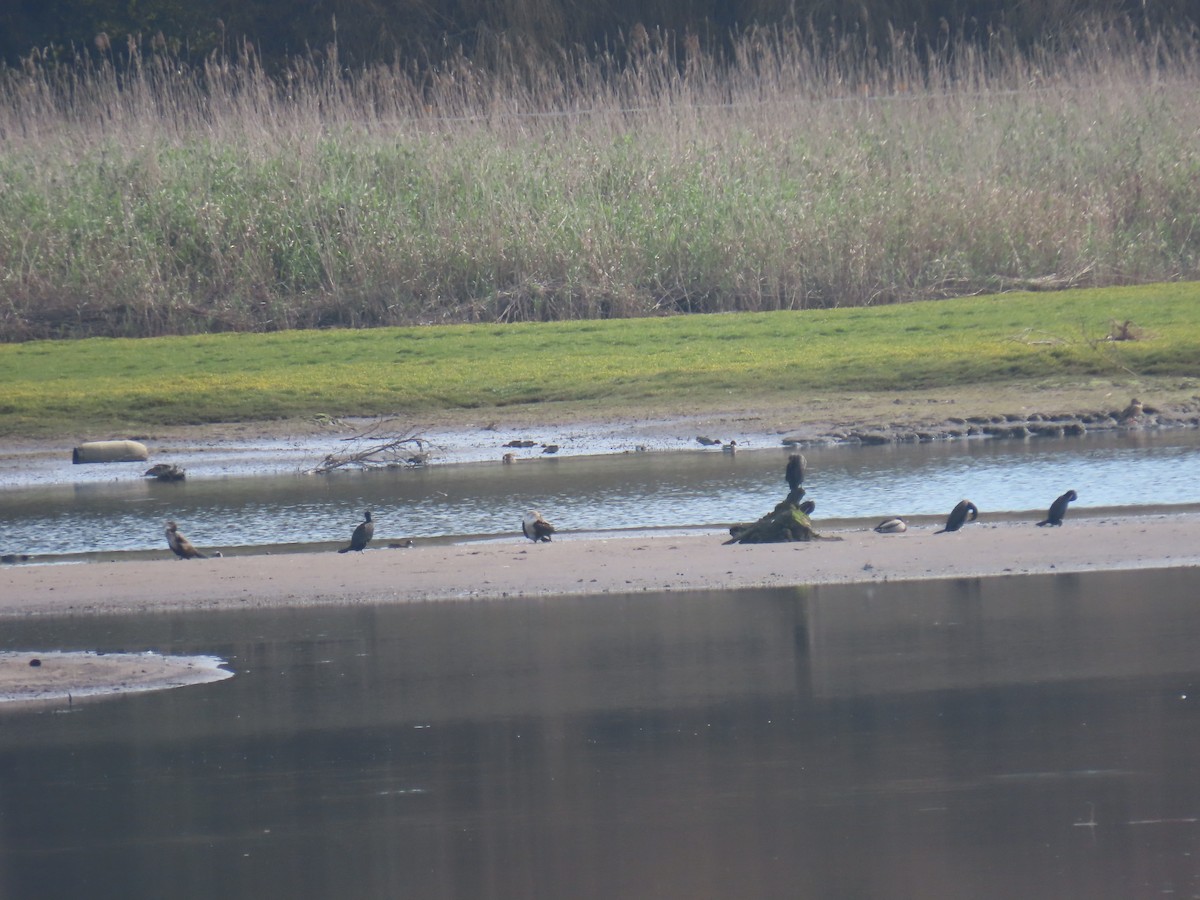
{"x": 795, "y": 171}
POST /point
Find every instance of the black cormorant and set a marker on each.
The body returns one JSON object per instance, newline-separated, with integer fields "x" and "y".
{"x": 794, "y": 473}
{"x": 1058, "y": 509}
{"x": 966, "y": 511}
{"x": 362, "y": 534}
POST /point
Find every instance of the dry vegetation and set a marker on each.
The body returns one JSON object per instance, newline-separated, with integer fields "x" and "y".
{"x": 800, "y": 172}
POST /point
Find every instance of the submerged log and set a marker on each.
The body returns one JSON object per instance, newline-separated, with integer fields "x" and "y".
{"x": 786, "y": 522}
{"x": 165, "y": 472}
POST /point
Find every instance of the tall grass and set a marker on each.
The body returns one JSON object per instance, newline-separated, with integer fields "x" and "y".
{"x": 800, "y": 171}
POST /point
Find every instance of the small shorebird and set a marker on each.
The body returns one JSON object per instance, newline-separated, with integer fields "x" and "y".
{"x": 362, "y": 534}
{"x": 180, "y": 545}
{"x": 534, "y": 527}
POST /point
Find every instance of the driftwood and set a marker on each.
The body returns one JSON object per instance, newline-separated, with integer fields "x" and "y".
{"x": 381, "y": 445}
{"x": 786, "y": 522}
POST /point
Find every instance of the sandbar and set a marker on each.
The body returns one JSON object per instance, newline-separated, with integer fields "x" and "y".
{"x": 501, "y": 569}
{"x": 497, "y": 571}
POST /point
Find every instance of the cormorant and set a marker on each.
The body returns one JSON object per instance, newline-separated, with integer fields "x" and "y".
{"x": 534, "y": 527}
{"x": 895, "y": 525}
{"x": 362, "y": 534}
{"x": 1058, "y": 509}
{"x": 794, "y": 473}
{"x": 180, "y": 545}
{"x": 964, "y": 512}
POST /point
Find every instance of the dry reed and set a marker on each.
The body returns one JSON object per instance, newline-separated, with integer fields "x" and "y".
{"x": 802, "y": 170}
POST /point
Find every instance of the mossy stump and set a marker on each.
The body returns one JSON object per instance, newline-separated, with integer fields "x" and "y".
{"x": 785, "y": 523}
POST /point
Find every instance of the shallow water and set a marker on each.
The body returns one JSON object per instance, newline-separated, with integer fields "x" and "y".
{"x": 601, "y": 493}
{"x": 1026, "y": 737}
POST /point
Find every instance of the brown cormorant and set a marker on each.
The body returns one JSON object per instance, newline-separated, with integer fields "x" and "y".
{"x": 180, "y": 545}
{"x": 534, "y": 527}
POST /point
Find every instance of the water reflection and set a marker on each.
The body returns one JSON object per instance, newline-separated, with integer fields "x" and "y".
{"x": 1021, "y": 737}
{"x": 633, "y": 491}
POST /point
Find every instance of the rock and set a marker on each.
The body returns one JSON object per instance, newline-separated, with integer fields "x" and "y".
{"x": 109, "y": 451}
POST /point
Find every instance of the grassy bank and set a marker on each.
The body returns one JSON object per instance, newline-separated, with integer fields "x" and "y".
{"x": 799, "y": 173}
{"x": 115, "y": 385}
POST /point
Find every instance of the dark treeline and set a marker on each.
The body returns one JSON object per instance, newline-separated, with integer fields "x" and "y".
{"x": 422, "y": 32}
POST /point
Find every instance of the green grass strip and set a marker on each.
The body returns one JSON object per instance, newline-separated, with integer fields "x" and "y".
{"x": 57, "y": 387}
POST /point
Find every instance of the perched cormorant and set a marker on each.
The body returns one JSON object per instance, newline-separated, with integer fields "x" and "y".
{"x": 1058, "y": 509}
{"x": 534, "y": 527}
{"x": 362, "y": 534}
{"x": 794, "y": 473}
{"x": 966, "y": 511}
{"x": 895, "y": 525}
{"x": 180, "y": 545}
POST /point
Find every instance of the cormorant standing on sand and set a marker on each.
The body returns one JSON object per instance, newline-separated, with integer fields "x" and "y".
{"x": 966, "y": 511}
{"x": 794, "y": 473}
{"x": 180, "y": 545}
{"x": 895, "y": 525}
{"x": 362, "y": 534}
{"x": 1058, "y": 509}
{"x": 534, "y": 527}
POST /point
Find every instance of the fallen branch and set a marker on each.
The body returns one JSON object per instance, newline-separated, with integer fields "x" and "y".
{"x": 377, "y": 446}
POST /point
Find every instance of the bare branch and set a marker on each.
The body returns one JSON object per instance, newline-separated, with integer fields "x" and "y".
{"x": 382, "y": 444}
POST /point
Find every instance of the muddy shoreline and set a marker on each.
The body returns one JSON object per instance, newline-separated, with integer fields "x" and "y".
{"x": 1011, "y": 412}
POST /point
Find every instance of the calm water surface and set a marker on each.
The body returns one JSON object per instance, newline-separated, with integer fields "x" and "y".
{"x": 1014, "y": 737}
{"x": 634, "y": 491}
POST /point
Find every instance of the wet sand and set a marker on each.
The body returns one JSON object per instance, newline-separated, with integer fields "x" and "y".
{"x": 516, "y": 568}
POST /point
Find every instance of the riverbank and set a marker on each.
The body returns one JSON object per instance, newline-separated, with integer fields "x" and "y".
{"x": 1006, "y": 411}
